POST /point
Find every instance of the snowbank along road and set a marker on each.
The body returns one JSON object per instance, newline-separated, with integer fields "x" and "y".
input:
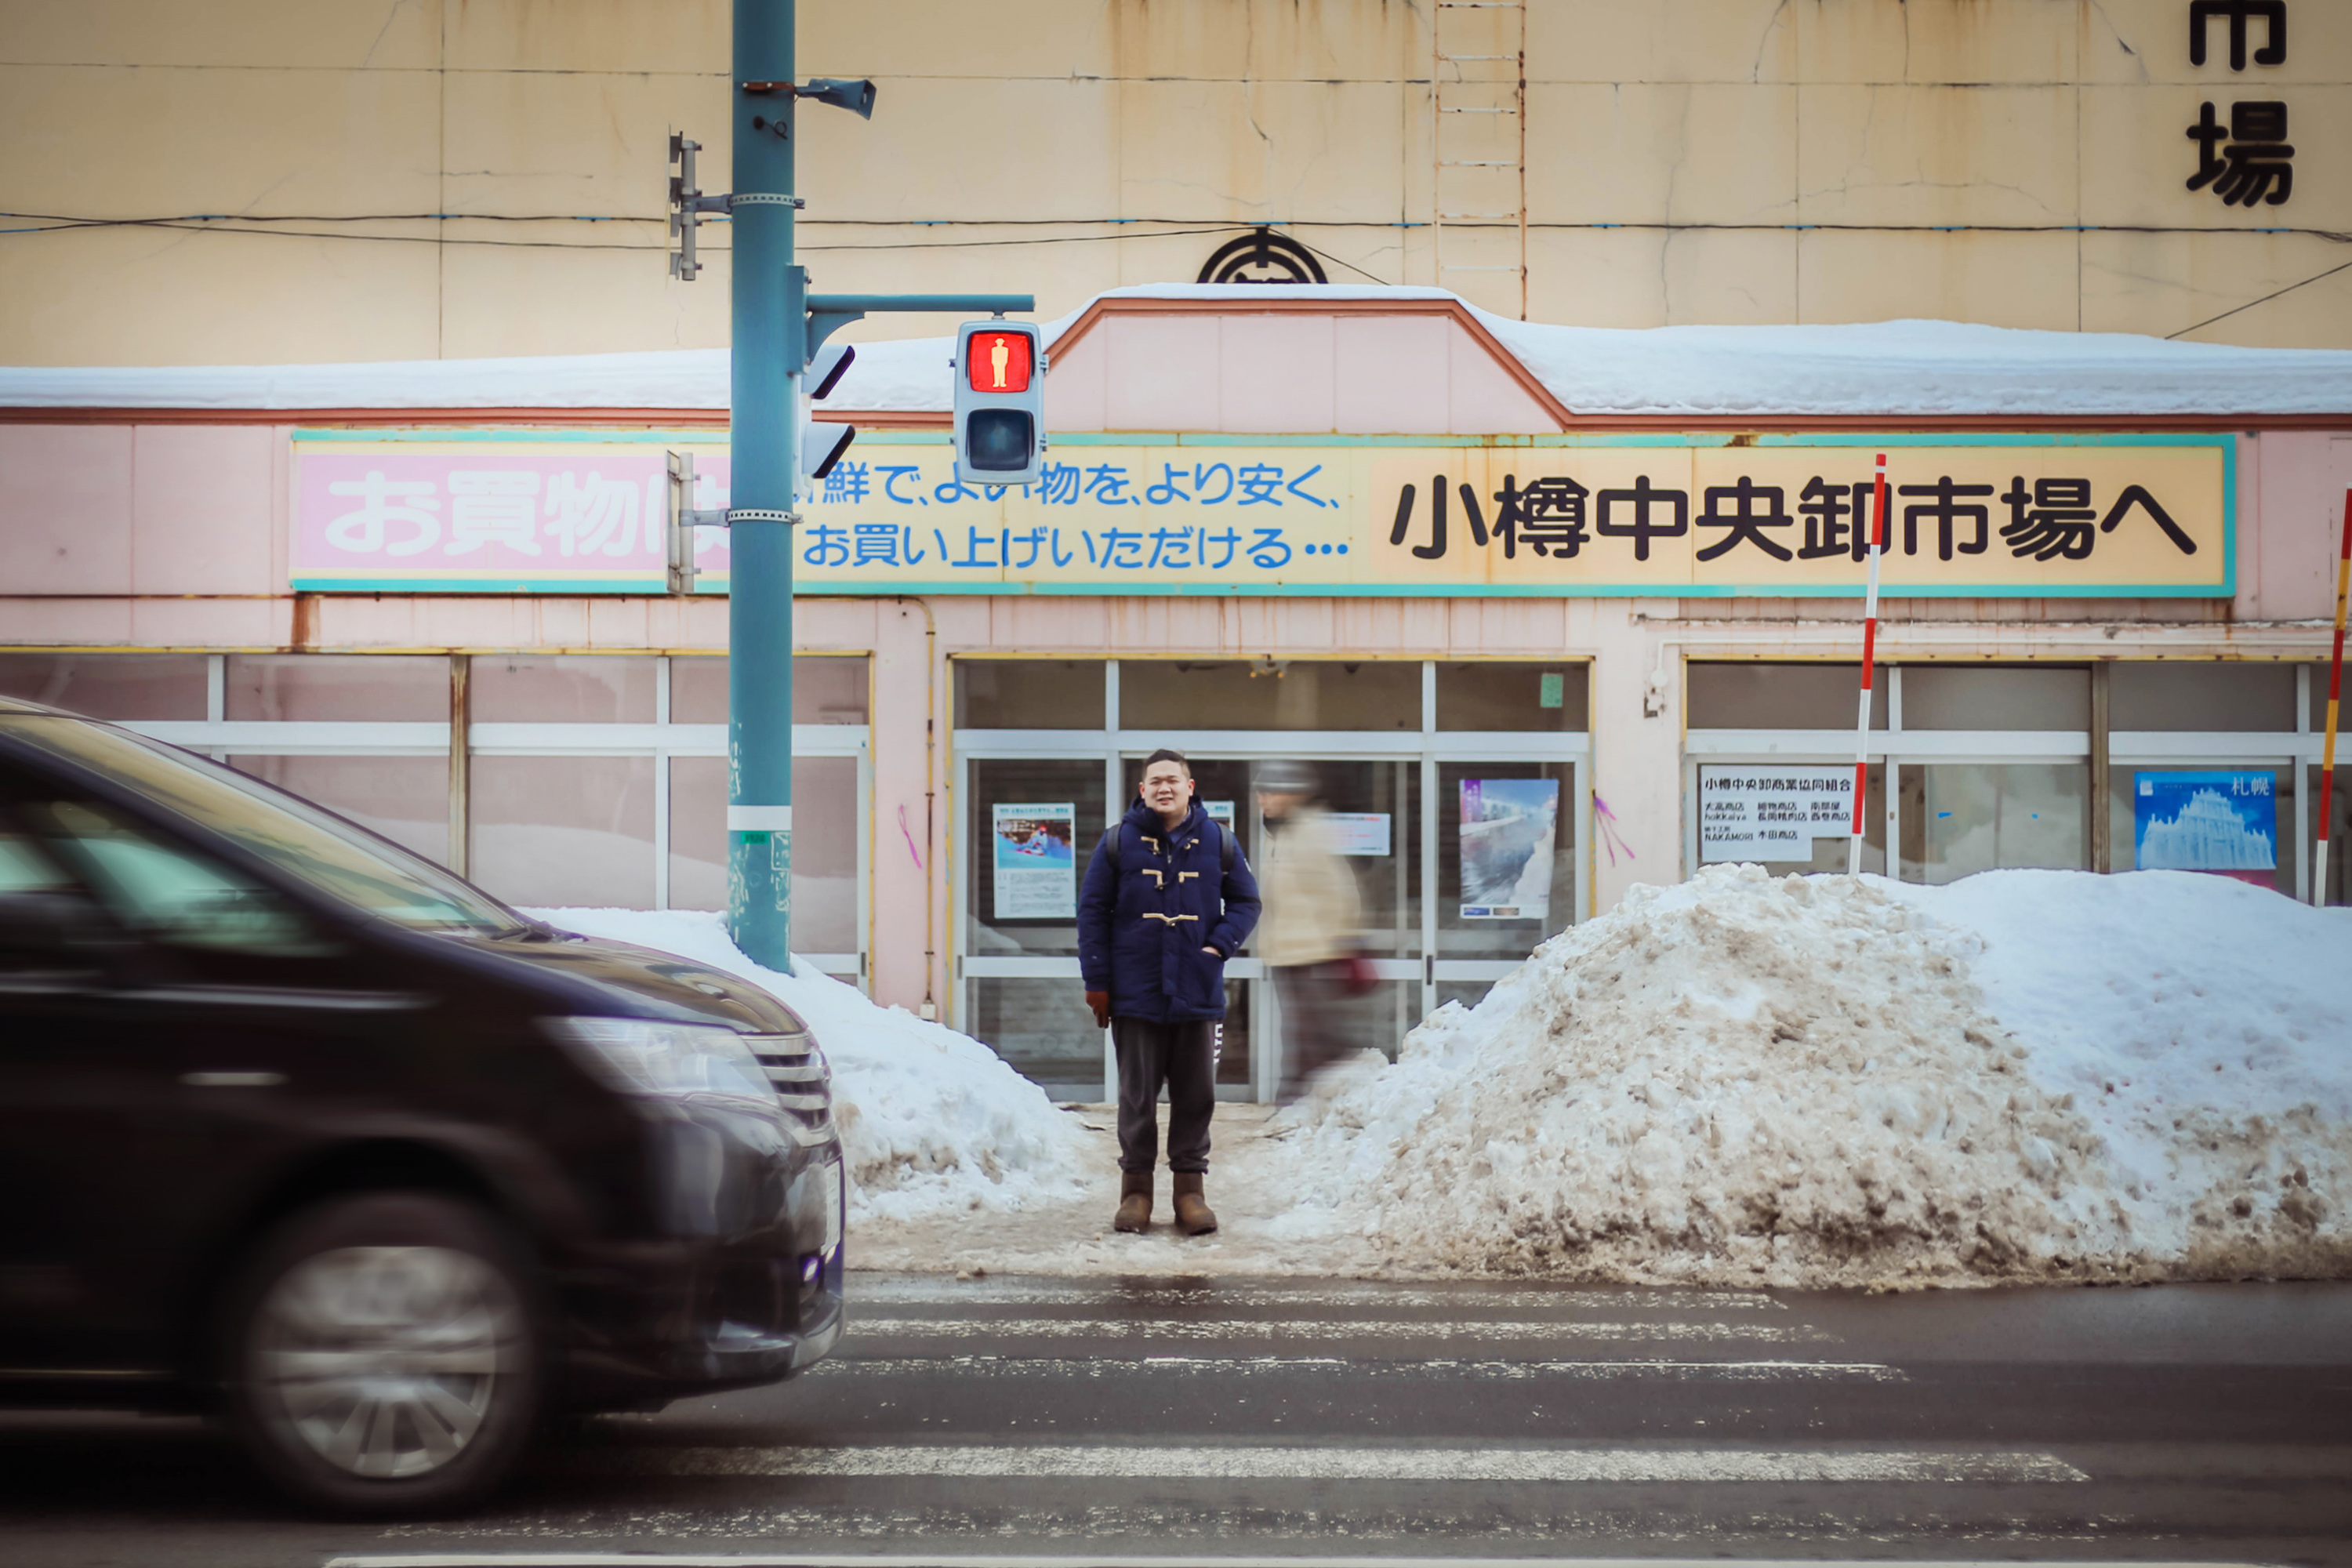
{"x": 1738, "y": 1081}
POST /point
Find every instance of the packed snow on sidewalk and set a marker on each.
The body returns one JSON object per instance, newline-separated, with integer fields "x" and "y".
{"x": 931, "y": 1122}
{"x": 1824, "y": 1081}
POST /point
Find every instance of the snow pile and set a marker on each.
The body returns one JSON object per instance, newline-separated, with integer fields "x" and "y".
{"x": 931, "y": 1122}
{"x": 1826, "y": 1081}
{"x": 2203, "y": 1027}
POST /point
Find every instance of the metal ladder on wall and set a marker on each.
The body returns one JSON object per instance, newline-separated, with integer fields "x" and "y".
{"x": 1478, "y": 89}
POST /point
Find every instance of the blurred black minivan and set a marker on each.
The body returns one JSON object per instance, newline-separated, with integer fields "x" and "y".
{"x": 302, "y": 1131}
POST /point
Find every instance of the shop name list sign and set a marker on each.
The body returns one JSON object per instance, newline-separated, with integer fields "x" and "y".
{"x": 2145, "y": 515}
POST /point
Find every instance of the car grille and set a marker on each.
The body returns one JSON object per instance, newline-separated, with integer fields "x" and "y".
{"x": 803, "y": 1081}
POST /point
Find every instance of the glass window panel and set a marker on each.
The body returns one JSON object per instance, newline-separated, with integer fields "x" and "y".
{"x": 1751, "y": 695}
{"x": 827, "y": 688}
{"x": 1075, "y": 782}
{"x": 1516, "y": 853}
{"x": 1028, "y": 694}
{"x": 1469, "y": 992}
{"x": 2273, "y": 864}
{"x": 1999, "y": 697}
{"x": 407, "y": 799}
{"x": 1044, "y": 1030}
{"x": 564, "y": 831}
{"x": 1302, "y": 694}
{"x": 1530, "y": 697}
{"x": 108, "y": 685}
{"x": 339, "y": 686}
{"x": 1959, "y": 818}
{"x": 1832, "y": 854}
{"x": 825, "y": 845}
{"x": 1378, "y": 1020}
{"x": 562, "y": 689}
{"x": 1388, "y": 886}
{"x": 2236, "y": 697}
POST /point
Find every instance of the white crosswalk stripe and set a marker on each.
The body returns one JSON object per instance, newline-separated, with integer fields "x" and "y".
{"x": 1097, "y": 1368}
{"x": 1327, "y": 1329}
{"x": 1328, "y": 1463}
{"x": 942, "y": 1290}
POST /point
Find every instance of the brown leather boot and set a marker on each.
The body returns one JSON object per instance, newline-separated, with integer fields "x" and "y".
{"x": 1193, "y": 1216}
{"x": 1134, "y": 1202}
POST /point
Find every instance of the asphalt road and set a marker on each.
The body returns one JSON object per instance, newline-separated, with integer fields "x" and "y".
{"x": 1336, "y": 1419}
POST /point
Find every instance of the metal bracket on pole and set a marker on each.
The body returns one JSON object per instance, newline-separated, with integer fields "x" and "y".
{"x": 687, "y": 205}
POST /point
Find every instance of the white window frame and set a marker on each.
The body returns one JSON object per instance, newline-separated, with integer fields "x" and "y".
{"x": 219, "y": 737}
{"x": 1894, "y": 746}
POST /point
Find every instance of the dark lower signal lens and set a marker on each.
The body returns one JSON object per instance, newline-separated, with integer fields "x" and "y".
{"x": 1000, "y": 439}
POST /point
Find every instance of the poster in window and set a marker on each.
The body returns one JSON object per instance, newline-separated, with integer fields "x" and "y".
{"x": 1509, "y": 828}
{"x": 1036, "y": 865}
{"x": 2221, "y": 821}
{"x": 1771, "y": 812}
{"x": 1359, "y": 832}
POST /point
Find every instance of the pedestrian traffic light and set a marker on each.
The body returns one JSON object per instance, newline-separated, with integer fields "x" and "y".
{"x": 1000, "y": 403}
{"x": 822, "y": 445}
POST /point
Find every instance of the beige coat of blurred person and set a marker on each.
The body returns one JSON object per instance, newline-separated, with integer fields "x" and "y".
{"x": 1309, "y": 932}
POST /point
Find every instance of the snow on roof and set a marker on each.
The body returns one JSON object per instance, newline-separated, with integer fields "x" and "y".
{"x": 1908, "y": 369}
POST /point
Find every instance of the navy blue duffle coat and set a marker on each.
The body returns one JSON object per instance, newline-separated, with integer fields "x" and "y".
{"x": 1143, "y": 921}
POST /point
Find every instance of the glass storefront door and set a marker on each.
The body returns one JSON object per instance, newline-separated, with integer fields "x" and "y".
{"x": 1448, "y": 902}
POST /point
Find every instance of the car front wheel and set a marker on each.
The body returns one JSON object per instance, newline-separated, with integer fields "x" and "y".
{"x": 382, "y": 1354}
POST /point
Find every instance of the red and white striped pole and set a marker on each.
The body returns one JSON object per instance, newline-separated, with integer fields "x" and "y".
{"x": 2334, "y": 698}
{"x": 1869, "y": 655}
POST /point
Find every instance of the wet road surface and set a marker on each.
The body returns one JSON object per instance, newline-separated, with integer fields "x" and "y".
{"x": 1141, "y": 1418}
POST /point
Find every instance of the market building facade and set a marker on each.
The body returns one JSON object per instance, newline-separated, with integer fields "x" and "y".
{"x": 1539, "y": 654}
{"x": 1554, "y": 611}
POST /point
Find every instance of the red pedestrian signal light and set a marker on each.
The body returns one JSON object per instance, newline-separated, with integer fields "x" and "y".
{"x": 999, "y": 361}
{"x": 1000, "y": 403}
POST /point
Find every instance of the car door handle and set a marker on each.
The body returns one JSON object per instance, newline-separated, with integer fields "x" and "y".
{"x": 232, "y": 1079}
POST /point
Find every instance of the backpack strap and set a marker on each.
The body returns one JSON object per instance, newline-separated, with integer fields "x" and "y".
{"x": 1225, "y": 847}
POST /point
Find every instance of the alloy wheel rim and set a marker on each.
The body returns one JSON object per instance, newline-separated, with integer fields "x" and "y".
{"x": 385, "y": 1361}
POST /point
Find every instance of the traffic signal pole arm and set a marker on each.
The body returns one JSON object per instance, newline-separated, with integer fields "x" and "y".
{"x": 829, "y": 313}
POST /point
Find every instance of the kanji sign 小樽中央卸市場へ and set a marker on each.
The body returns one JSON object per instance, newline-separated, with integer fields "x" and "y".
{"x": 2020, "y": 516}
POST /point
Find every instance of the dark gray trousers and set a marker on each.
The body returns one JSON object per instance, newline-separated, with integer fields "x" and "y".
{"x": 1184, "y": 1057}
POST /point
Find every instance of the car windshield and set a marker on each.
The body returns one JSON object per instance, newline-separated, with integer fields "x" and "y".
{"x": 340, "y": 860}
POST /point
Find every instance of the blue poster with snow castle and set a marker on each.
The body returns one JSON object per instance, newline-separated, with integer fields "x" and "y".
{"x": 2205, "y": 822}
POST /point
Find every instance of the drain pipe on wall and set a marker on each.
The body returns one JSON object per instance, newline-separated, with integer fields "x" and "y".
{"x": 929, "y": 859}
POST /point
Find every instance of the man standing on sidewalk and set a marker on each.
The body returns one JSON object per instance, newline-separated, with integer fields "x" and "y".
{"x": 1168, "y": 898}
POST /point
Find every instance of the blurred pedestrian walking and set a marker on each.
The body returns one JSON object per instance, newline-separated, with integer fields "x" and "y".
{"x": 1309, "y": 939}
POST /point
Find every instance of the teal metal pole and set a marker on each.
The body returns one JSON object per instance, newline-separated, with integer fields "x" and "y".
{"x": 766, "y": 364}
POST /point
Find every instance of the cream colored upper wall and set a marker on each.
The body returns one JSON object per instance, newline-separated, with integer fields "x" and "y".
{"x": 1764, "y": 160}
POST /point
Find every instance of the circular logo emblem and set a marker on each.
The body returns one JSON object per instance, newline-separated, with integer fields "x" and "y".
{"x": 1262, "y": 256}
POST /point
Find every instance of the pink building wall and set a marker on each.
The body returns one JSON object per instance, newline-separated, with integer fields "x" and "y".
{"x": 167, "y": 534}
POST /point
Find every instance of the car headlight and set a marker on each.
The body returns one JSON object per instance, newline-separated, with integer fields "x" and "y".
{"x": 648, "y": 1056}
